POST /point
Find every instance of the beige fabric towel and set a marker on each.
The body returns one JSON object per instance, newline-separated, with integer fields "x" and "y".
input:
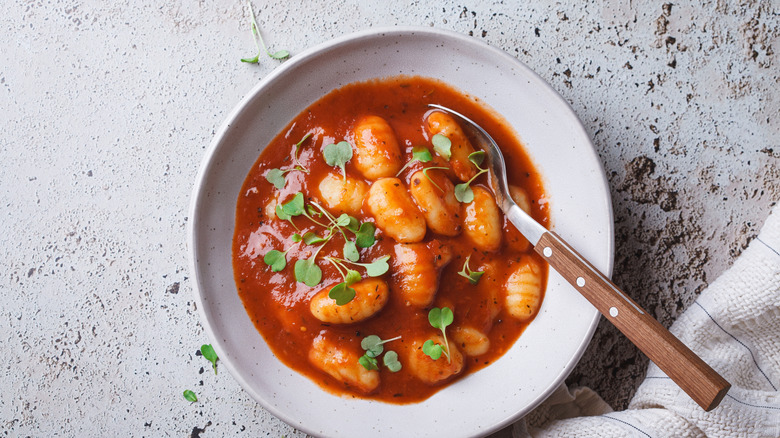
{"x": 735, "y": 327}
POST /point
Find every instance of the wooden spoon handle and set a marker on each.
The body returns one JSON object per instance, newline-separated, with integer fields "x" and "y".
{"x": 705, "y": 386}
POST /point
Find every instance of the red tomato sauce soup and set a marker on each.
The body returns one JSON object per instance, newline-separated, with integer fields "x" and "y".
{"x": 369, "y": 251}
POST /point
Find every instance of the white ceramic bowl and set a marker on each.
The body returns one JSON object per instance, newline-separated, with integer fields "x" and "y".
{"x": 581, "y": 212}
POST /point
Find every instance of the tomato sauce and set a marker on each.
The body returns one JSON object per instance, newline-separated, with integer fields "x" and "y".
{"x": 279, "y": 305}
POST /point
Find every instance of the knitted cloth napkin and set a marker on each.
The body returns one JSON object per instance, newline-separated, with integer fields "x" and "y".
{"x": 734, "y": 326}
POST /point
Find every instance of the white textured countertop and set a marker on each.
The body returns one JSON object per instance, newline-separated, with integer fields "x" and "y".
{"x": 108, "y": 107}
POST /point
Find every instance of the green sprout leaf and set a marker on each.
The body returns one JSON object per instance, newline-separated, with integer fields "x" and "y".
{"x": 440, "y": 319}
{"x": 463, "y": 193}
{"x": 352, "y": 277}
{"x": 258, "y": 39}
{"x": 342, "y": 293}
{"x": 377, "y": 267}
{"x": 296, "y": 238}
{"x": 419, "y": 153}
{"x": 466, "y": 272}
{"x": 391, "y": 361}
{"x": 190, "y": 396}
{"x": 307, "y": 272}
{"x": 295, "y": 206}
{"x": 354, "y": 225}
{"x": 373, "y": 345}
{"x": 277, "y": 260}
{"x": 442, "y": 145}
{"x": 276, "y": 177}
{"x": 344, "y": 220}
{"x": 281, "y": 54}
{"x": 311, "y": 238}
{"x": 364, "y": 237}
{"x": 350, "y": 251}
{"x": 369, "y": 363}
{"x": 337, "y": 155}
{"x": 477, "y": 158}
{"x": 208, "y": 352}
{"x": 281, "y": 214}
{"x": 432, "y": 349}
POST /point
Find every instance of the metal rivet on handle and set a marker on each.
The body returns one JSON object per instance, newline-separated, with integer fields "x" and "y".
{"x": 547, "y": 251}
{"x": 613, "y": 312}
{"x": 580, "y": 281}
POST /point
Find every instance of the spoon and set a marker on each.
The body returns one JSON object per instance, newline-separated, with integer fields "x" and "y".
{"x": 703, "y": 384}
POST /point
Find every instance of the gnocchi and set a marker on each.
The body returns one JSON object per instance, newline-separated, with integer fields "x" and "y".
{"x": 377, "y": 154}
{"x": 473, "y": 342}
{"x": 481, "y": 222}
{"x": 342, "y": 195}
{"x": 444, "y": 124}
{"x": 524, "y": 289}
{"x": 370, "y": 297}
{"x": 342, "y": 364}
{"x": 433, "y": 372}
{"x": 394, "y": 210}
{"x": 435, "y": 194}
{"x": 417, "y": 268}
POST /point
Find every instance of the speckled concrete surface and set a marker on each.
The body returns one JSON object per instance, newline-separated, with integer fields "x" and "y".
{"x": 107, "y": 108}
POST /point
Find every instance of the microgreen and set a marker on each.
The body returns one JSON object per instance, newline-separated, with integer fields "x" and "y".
{"x": 419, "y": 153}
{"x": 391, "y": 361}
{"x": 350, "y": 251}
{"x": 440, "y": 319}
{"x": 466, "y": 272}
{"x": 277, "y": 177}
{"x": 281, "y": 54}
{"x": 190, "y": 396}
{"x": 442, "y": 145}
{"x": 463, "y": 192}
{"x": 208, "y": 352}
{"x": 311, "y": 238}
{"x": 374, "y": 346}
{"x": 432, "y": 350}
{"x": 276, "y": 259}
{"x": 337, "y": 154}
{"x": 342, "y": 292}
{"x": 369, "y": 363}
{"x": 307, "y": 271}
{"x": 364, "y": 236}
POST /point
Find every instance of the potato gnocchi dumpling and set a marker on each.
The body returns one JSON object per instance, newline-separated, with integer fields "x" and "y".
{"x": 368, "y": 200}
{"x": 377, "y": 154}
{"x": 481, "y": 222}
{"x": 473, "y": 342}
{"x": 394, "y": 210}
{"x": 435, "y": 194}
{"x": 433, "y": 372}
{"x": 444, "y": 124}
{"x": 342, "y": 364}
{"x": 416, "y": 268}
{"x": 524, "y": 289}
{"x": 370, "y": 296}
{"x": 342, "y": 195}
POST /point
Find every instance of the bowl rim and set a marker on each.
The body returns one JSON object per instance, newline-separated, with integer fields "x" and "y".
{"x": 208, "y": 160}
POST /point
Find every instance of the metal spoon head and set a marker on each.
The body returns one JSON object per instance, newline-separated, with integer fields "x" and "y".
{"x": 531, "y": 229}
